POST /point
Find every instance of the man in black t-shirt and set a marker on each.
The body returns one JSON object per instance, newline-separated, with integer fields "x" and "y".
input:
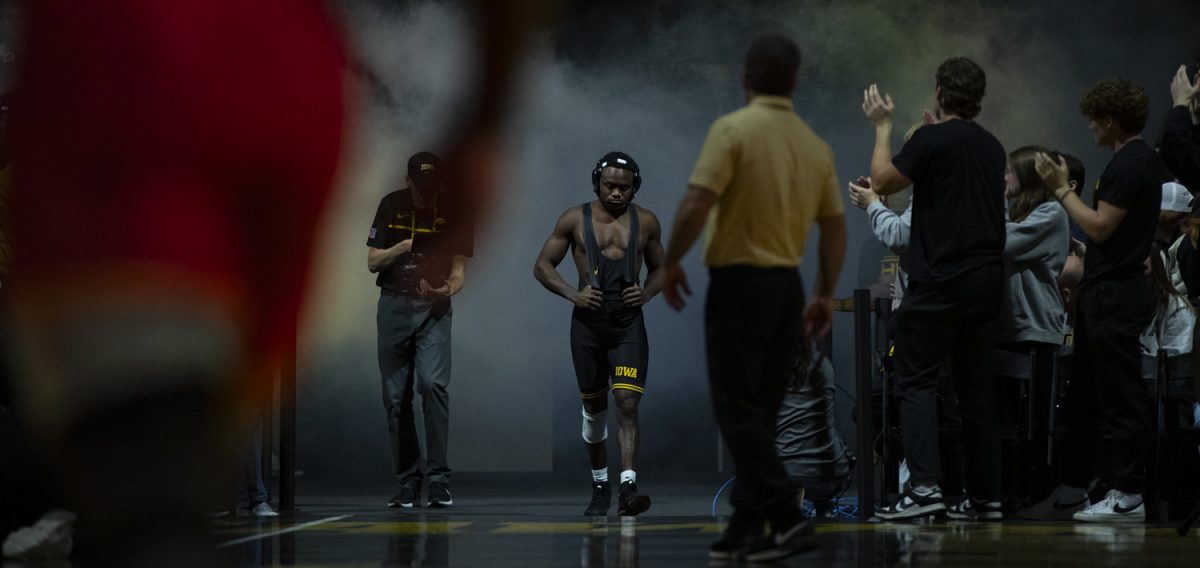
{"x": 1115, "y": 306}
{"x": 956, "y": 285}
{"x": 420, "y": 255}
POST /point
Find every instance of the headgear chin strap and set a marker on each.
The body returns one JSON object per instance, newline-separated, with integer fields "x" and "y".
{"x": 619, "y": 160}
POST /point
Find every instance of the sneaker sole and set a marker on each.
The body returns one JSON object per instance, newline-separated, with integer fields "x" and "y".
{"x": 1109, "y": 519}
{"x": 730, "y": 556}
{"x": 48, "y": 547}
{"x": 441, "y": 504}
{"x": 635, "y": 506}
{"x": 913, "y": 513}
{"x": 1065, "y": 516}
{"x": 798, "y": 546}
{"x": 400, "y": 505}
{"x": 800, "y": 538}
{"x": 993, "y": 516}
{"x": 975, "y": 518}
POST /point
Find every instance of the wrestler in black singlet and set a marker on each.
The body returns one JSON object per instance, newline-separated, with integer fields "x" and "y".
{"x": 611, "y": 341}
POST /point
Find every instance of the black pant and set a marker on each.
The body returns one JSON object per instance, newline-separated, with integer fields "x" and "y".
{"x": 1029, "y": 475}
{"x": 752, "y": 323}
{"x": 952, "y": 320}
{"x": 1107, "y": 406}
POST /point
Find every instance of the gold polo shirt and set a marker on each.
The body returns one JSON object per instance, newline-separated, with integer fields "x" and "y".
{"x": 772, "y": 176}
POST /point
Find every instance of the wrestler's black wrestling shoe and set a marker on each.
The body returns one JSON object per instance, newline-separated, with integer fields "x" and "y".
{"x": 601, "y": 500}
{"x": 631, "y": 502}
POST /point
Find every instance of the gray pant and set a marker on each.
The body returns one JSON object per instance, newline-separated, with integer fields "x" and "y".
{"x": 414, "y": 360}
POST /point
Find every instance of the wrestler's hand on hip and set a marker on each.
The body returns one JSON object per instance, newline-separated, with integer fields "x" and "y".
{"x": 589, "y": 298}
{"x": 633, "y": 296}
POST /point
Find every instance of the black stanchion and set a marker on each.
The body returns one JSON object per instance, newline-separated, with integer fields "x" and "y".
{"x": 864, "y": 369}
{"x": 287, "y": 433}
{"x": 267, "y": 416}
{"x": 891, "y": 476}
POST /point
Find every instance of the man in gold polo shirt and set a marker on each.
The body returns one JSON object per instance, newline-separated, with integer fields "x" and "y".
{"x": 769, "y": 177}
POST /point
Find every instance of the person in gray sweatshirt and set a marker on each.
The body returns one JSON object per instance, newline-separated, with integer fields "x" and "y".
{"x": 890, "y": 228}
{"x": 1037, "y": 240}
{"x": 1033, "y": 321}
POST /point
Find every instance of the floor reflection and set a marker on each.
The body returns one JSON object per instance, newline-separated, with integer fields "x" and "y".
{"x": 957, "y": 544}
{"x": 427, "y": 546}
{"x": 420, "y": 540}
{"x": 594, "y": 551}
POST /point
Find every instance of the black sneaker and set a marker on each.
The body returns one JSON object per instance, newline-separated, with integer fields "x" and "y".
{"x": 737, "y": 538}
{"x": 730, "y": 548}
{"x": 601, "y": 499}
{"x": 778, "y": 545}
{"x": 912, "y": 505}
{"x": 630, "y": 502}
{"x": 439, "y": 495}
{"x": 971, "y": 510}
{"x": 405, "y": 499}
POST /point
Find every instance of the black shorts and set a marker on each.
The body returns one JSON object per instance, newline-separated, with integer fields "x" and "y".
{"x": 609, "y": 345}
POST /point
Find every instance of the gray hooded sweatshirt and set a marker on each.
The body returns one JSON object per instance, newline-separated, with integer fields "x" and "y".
{"x": 1035, "y": 250}
{"x": 892, "y": 230}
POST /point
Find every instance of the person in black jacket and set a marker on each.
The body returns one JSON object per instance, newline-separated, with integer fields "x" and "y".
{"x": 1181, "y": 133}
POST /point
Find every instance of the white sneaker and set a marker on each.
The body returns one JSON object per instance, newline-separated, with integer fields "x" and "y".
{"x": 263, "y": 510}
{"x": 1111, "y": 510}
{"x": 50, "y": 537}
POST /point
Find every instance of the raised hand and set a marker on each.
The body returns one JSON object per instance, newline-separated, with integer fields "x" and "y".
{"x": 1183, "y": 90}
{"x": 878, "y": 108}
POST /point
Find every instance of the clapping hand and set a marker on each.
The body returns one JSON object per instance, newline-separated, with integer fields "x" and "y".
{"x": 1054, "y": 174}
{"x": 878, "y": 108}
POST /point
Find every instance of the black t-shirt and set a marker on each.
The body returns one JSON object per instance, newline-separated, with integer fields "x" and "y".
{"x": 1133, "y": 182}
{"x": 957, "y": 170}
{"x": 438, "y": 234}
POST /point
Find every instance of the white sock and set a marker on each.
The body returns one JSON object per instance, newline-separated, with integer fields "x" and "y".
{"x": 924, "y": 489}
{"x": 600, "y": 475}
{"x": 628, "y": 476}
{"x": 1130, "y": 500}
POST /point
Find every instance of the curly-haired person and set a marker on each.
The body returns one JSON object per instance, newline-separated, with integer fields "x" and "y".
{"x": 1116, "y": 305}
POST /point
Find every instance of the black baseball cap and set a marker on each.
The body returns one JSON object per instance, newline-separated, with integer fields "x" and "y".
{"x": 425, "y": 169}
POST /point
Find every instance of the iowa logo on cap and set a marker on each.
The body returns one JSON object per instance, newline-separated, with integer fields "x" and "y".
{"x": 426, "y": 168}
